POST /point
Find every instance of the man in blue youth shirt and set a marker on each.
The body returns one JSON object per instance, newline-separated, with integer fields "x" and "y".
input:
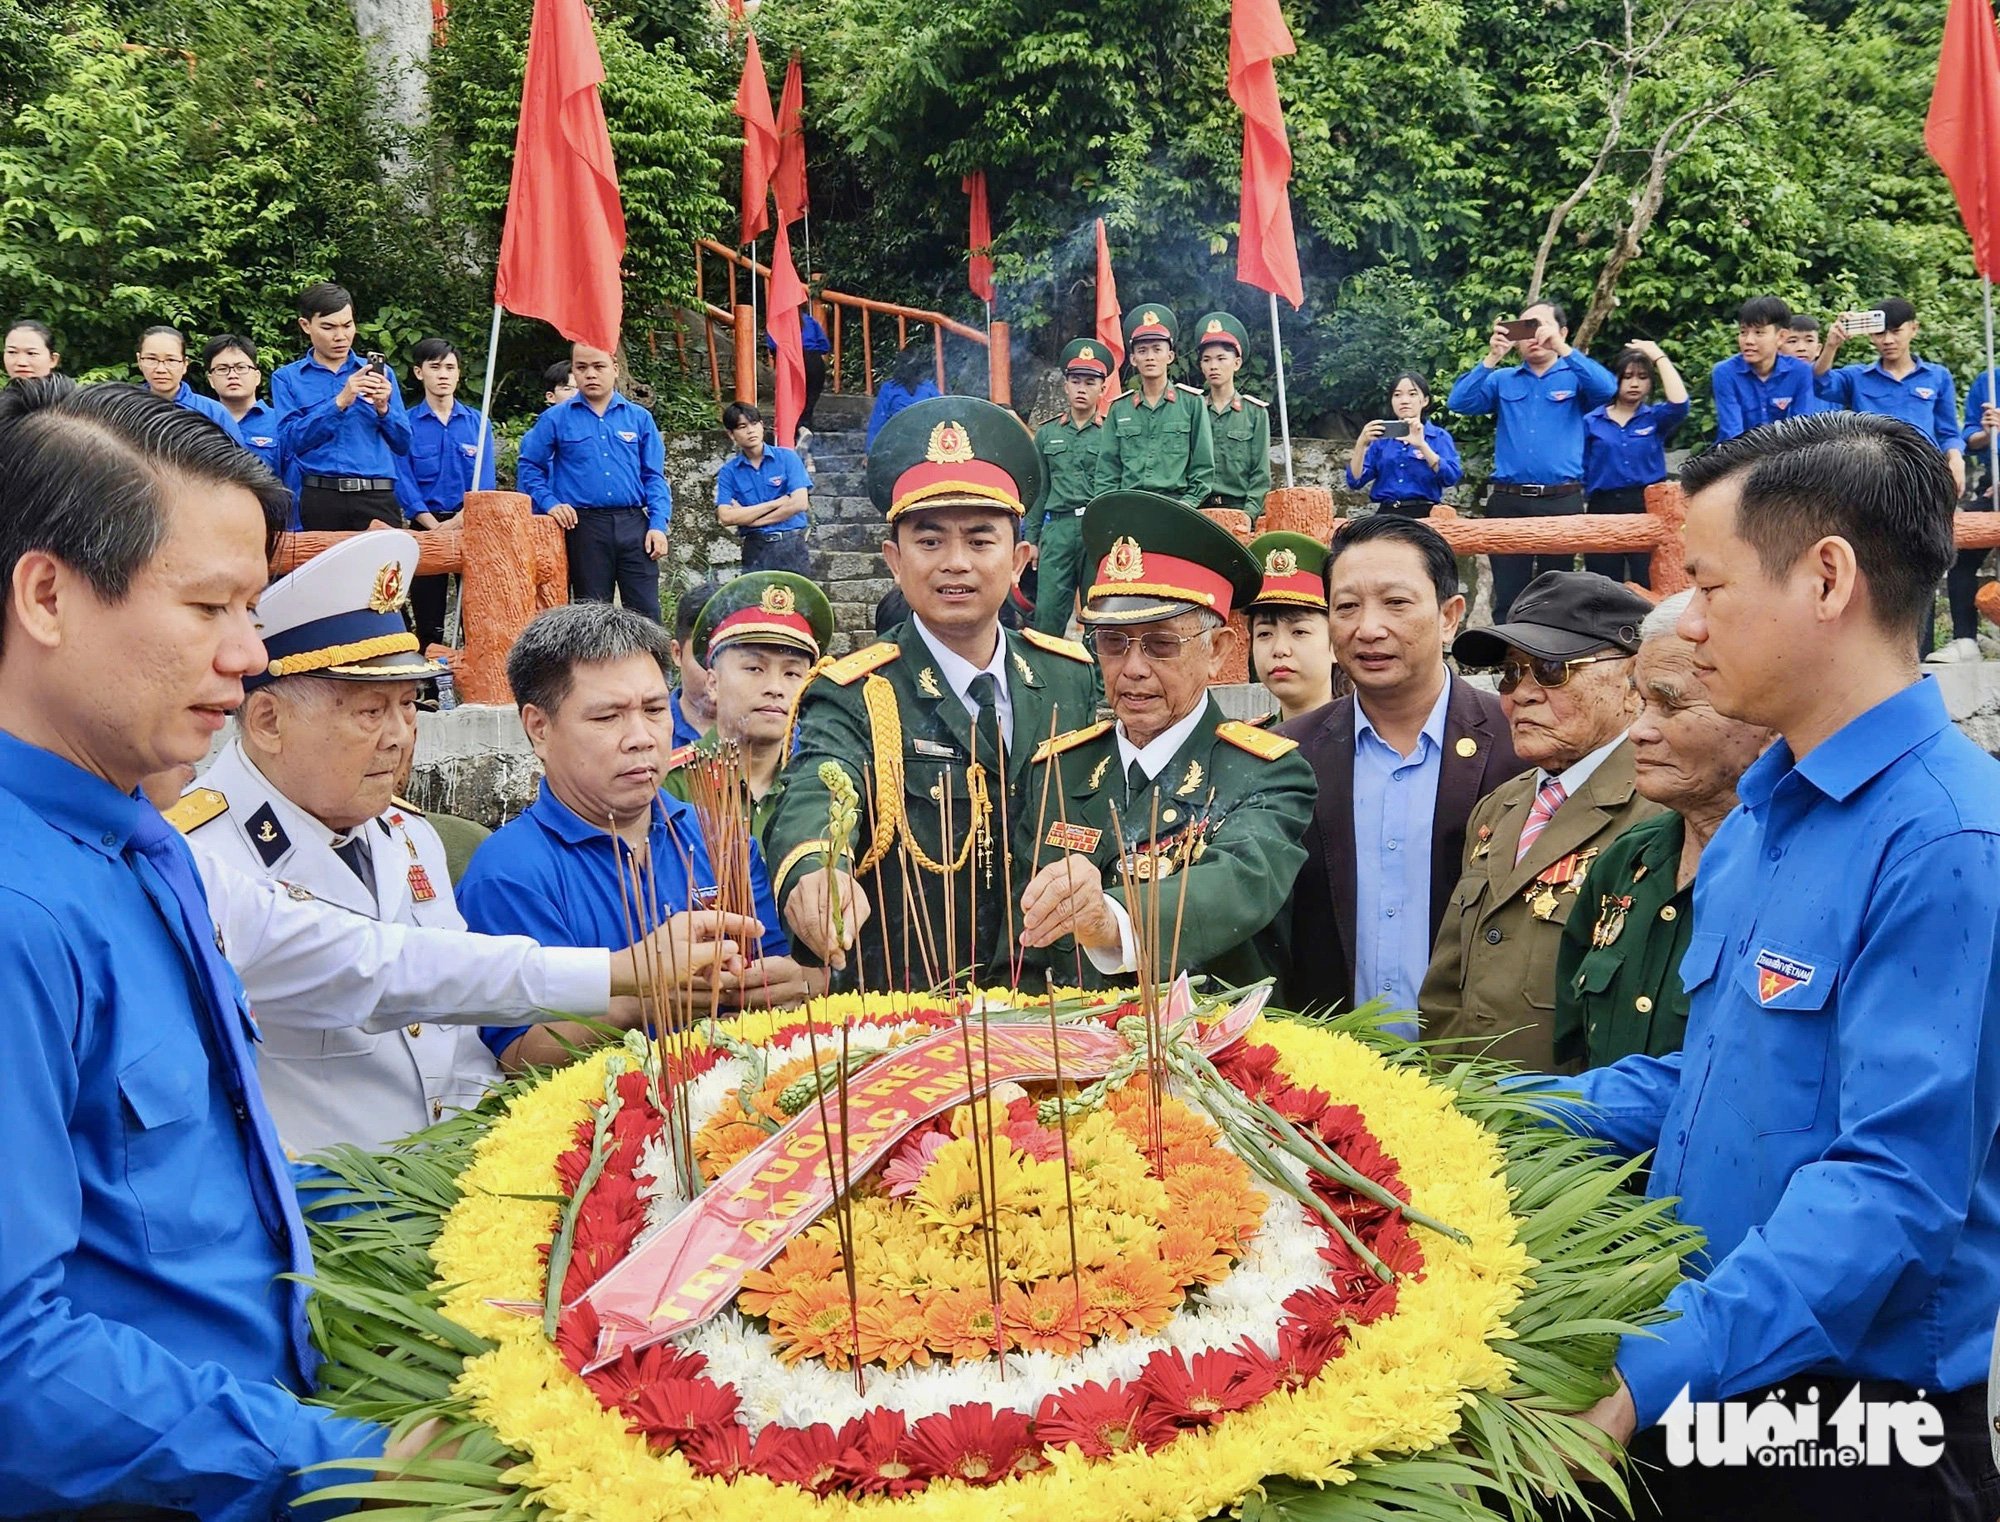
{"x": 591, "y": 684}
{"x": 163, "y": 365}
{"x": 151, "y": 1358}
{"x": 1538, "y": 406}
{"x": 1897, "y": 384}
{"x": 1760, "y": 383}
{"x": 341, "y": 421}
{"x": 433, "y": 478}
{"x": 233, "y": 375}
{"x": 761, "y": 493}
{"x": 597, "y": 465}
{"x": 1830, "y": 1122}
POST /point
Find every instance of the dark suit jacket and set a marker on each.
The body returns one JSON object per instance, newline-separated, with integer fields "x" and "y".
{"x": 1321, "y": 970}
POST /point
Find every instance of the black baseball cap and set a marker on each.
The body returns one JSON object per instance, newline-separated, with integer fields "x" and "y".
{"x": 1560, "y": 615}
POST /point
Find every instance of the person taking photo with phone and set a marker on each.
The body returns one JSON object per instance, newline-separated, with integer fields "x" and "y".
{"x": 341, "y": 420}
{"x": 1898, "y": 384}
{"x": 1406, "y": 461}
{"x": 1625, "y": 448}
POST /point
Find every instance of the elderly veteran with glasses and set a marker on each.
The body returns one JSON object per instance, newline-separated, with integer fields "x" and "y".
{"x": 1565, "y": 663}
{"x": 1618, "y": 981}
{"x": 1166, "y": 805}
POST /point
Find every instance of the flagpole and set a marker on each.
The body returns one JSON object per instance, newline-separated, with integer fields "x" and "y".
{"x": 1992, "y": 394}
{"x": 756, "y": 332}
{"x": 1284, "y": 412}
{"x": 451, "y": 628}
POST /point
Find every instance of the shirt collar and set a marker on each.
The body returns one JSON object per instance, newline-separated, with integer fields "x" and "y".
{"x": 1856, "y": 753}
{"x": 1163, "y": 747}
{"x": 1920, "y": 367}
{"x": 183, "y": 396}
{"x": 1433, "y": 730}
{"x": 79, "y": 803}
{"x": 1580, "y": 772}
{"x": 958, "y": 671}
{"x": 560, "y": 820}
{"x": 582, "y": 401}
{"x": 310, "y": 361}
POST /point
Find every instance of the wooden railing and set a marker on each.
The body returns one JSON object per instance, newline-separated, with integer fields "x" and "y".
{"x": 834, "y": 309}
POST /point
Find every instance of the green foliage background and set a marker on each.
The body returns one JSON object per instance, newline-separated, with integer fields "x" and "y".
{"x": 174, "y": 160}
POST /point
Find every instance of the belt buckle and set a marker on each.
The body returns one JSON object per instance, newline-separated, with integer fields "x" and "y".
{"x": 350, "y": 484}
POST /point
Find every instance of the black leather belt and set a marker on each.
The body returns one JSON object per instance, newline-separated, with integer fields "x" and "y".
{"x": 350, "y": 483}
{"x": 1531, "y": 489}
{"x": 772, "y": 533}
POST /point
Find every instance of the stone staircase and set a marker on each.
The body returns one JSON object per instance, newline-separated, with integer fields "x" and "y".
{"x": 847, "y": 530}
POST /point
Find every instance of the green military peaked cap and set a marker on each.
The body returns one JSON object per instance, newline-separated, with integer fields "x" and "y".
{"x": 1087, "y": 354}
{"x": 764, "y": 608}
{"x": 1221, "y": 328}
{"x": 1294, "y": 569}
{"x": 1151, "y": 558}
{"x": 1151, "y": 320}
{"x": 954, "y": 451}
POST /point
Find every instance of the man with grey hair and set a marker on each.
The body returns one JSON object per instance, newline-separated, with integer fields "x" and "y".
{"x": 304, "y": 794}
{"x": 1618, "y": 982}
{"x": 1168, "y": 787}
{"x": 590, "y": 680}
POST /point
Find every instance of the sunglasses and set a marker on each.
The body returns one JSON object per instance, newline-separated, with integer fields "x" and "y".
{"x": 1159, "y": 647}
{"x": 1548, "y": 674}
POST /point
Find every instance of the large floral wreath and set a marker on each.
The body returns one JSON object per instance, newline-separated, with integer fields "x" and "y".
{"x": 1180, "y": 1337}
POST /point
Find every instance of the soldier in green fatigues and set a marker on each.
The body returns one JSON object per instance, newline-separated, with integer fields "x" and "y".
{"x": 1156, "y": 435}
{"x": 1210, "y": 810}
{"x": 1068, "y": 446}
{"x": 935, "y": 724}
{"x": 1239, "y": 425}
{"x": 757, "y": 638}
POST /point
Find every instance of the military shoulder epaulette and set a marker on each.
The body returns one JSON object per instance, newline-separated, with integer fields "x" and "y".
{"x": 404, "y": 803}
{"x": 679, "y": 758}
{"x": 1261, "y": 743}
{"x": 857, "y": 664}
{"x": 1190, "y": 390}
{"x": 1055, "y": 644}
{"x": 195, "y": 809}
{"x": 1254, "y": 401}
{"x": 1057, "y": 744}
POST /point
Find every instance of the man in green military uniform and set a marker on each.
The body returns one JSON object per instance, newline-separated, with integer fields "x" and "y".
{"x": 1156, "y": 435}
{"x": 1239, "y": 425}
{"x": 935, "y": 724}
{"x": 1069, "y": 447}
{"x": 1168, "y": 792}
{"x": 757, "y": 638}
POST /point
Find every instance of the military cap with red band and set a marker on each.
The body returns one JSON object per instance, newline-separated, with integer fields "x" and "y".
{"x": 1221, "y": 328}
{"x": 954, "y": 451}
{"x": 775, "y": 608}
{"x": 1153, "y": 558}
{"x": 1088, "y": 355}
{"x": 1151, "y": 320}
{"x": 1294, "y": 567}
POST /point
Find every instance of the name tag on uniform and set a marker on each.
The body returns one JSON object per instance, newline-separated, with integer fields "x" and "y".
{"x": 925, "y": 747}
{"x": 1073, "y": 837}
{"x": 420, "y": 884}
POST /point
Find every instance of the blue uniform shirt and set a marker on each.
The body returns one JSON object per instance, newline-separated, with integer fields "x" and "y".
{"x": 1926, "y": 398}
{"x": 209, "y": 408}
{"x": 812, "y": 337}
{"x": 778, "y": 474}
{"x": 1401, "y": 474}
{"x": 148, "y": 1354}
{"x": 1395, "y": 801}
{"x": 684, "y": 733}
{"x": 1977, "y": 395}
{"x": 618, "y": 460}
{"x": 1539, "y": 438}
{"x": 437, "y": 472}
{"x": 1743, "y": 402}
{"x": 259, "y": 432}
{"x": 549, "y": 875}
{"x": 1830, "y": 1121}
{"x": 322, "y": 440}
{"x": 892, "y": 399}
{"x": 1633, "y": 455}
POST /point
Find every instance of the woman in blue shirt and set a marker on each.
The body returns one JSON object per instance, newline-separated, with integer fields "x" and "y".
{"x": 1408, "y": 474}
{"x": 1625, "y": 447}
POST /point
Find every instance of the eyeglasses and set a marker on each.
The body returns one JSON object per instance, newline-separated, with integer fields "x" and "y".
{"x": 232, "y": 369}
{"x": 1549, "y": 674}
{"x": 161, "y": 359}
{"x": 1158, "y": 646}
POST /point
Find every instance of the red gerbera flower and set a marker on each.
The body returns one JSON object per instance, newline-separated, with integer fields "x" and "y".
{"x": 801, "y": 1456}
{"x": 972, "y": 1443}
{"x": 668, "y": 1412}
{"x": 720, "y": 1452}
{"x": 1253, "y": 1069}
{"x": 622, "y": 1380}
{"x": 1303, "y": 1351}
{"x": 1199, "y": 1392}
{"x": 874, "y": 1456}
{"x": 1101, "y": 1420}
{"x": 576, "y": 1336}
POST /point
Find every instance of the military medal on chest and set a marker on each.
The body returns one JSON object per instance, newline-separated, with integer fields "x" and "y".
{"x": 1611, "y": 911}
{"x": 1543, "y": 894}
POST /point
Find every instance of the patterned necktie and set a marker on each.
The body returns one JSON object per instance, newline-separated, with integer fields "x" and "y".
{"x": 166, "y": 871}
{"x": 1548, "y": 798}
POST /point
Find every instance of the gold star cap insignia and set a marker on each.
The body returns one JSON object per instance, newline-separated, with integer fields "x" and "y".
{"x": 1126, "y": 562}
{"x": 778, "y": 599}
{"x": 388, "y": 593}
{"x": 1214, "y": 325}
{"x": 949, "y": 445}
{"x": 1281, "y": 563}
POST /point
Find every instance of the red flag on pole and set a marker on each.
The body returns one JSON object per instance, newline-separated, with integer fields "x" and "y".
{"x": 979, "y": 272}
{"x": 1267, "y": 256}
{"x": 565, "y": 229}
{"x": 788, "y": 183}
{"x": 1110, "y": 316}
{"x": 760, "y": 141}
{"x": 1962, "y": 130}
{"x": 787, "y": 301}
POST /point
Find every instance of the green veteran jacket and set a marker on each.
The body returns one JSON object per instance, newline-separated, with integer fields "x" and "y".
{"x": 1241, "y": 435}
{"x": 1167, "y": 448}
{"x": 1235, "y": 798}
{"x": 1618, "y": 979}
{"x": 886, "y": 710}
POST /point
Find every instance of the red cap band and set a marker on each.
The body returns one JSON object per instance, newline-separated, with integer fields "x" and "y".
{"x": 1151, "y": 574}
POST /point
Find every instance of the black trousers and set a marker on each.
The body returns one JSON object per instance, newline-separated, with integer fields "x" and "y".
{"x": 428, "y": 595}
{"x": 778, "y": 552}
{"x": 815, "y": 383}
{"x": 607, "y": 550}
{"x": 1961, "y": 582}
{"x": 344, "y": 512}
{"x": 1635, "y": 568}
{"x": 1512, "y": 573}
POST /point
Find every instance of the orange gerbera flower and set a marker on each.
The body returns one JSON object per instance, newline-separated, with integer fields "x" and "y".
{"x": 815, "y": 1321}
{"x": 959, "y": 1323}
{"x": 1188, "y": 1255}
{"x": 1133, "y": 1295}
{"x": 804, "y": 1262}
{"x": 1044, "y": 1318}
{"x": 893, "y": 1332}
